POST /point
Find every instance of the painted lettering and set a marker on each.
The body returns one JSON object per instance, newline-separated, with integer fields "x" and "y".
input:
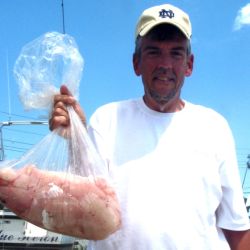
{"x": 27, "y": 239}
{"x": 6, "y": 237}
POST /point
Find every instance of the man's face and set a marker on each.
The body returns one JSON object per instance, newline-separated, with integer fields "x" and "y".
{"x": 163, "y": 65}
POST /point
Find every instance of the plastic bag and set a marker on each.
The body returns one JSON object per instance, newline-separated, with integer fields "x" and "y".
{"x": 61, "y": 184}
{"x": 43, "y": 65}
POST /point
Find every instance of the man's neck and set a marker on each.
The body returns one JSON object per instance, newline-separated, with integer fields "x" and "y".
{"x": 172, "y": 106}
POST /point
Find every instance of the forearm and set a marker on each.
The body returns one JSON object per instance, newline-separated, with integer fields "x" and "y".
{"x": 238, "y": 240}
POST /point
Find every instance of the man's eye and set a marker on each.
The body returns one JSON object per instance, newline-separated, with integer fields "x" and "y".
{"x": 153, "y": 52}
{"x": 177, "y": 54}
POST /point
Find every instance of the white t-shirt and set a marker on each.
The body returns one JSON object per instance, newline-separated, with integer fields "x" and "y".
{"x": 176, "y": 176}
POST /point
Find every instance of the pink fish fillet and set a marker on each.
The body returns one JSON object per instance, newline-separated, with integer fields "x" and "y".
{"x": 81, "y": 207}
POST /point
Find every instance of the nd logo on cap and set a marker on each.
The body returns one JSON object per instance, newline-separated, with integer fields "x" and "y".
{"x": 166, "y": 13}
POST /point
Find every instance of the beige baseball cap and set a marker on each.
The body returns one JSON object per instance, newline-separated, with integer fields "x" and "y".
{"x": 165, "y": 13}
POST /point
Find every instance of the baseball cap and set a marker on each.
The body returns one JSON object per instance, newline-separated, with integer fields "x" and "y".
{"x": 165, "y": 13}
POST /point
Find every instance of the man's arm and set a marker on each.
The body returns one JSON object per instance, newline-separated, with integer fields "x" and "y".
{"x": 238, "y": 240}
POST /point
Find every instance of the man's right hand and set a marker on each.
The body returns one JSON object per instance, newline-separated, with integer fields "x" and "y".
{"x": 59, "y": 114}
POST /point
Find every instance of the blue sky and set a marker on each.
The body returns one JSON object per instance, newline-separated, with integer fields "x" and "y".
{"x": 104, "y": 32}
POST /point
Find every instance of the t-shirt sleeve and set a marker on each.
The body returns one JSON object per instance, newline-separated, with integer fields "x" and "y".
{"x": 97, "y": 130}
{"x": 231, "y": 213}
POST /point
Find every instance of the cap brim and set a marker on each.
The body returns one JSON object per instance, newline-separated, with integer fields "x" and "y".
{"x": 146, "y": 29}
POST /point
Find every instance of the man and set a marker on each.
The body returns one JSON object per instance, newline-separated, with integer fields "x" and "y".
{"x": 173, "y": 162}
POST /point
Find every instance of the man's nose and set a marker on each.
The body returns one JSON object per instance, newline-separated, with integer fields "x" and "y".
{"x": 165, "y": 61}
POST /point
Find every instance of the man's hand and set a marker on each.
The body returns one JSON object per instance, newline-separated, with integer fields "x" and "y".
{"x": 59, "y": 115}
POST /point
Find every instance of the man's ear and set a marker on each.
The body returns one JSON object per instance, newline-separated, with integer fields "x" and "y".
{"x": 190, "y": 64}
{"x": 136, "y": 64}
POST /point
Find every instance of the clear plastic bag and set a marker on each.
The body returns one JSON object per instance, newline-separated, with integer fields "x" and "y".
{"x": 43, "y": 65}
{"x": 61, "y": 184}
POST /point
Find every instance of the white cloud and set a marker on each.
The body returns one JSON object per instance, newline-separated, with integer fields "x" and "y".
{"x": 243, "y": 17}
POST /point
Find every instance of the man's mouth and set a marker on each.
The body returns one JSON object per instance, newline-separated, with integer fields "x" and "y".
{"x": 163, "y": 79}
